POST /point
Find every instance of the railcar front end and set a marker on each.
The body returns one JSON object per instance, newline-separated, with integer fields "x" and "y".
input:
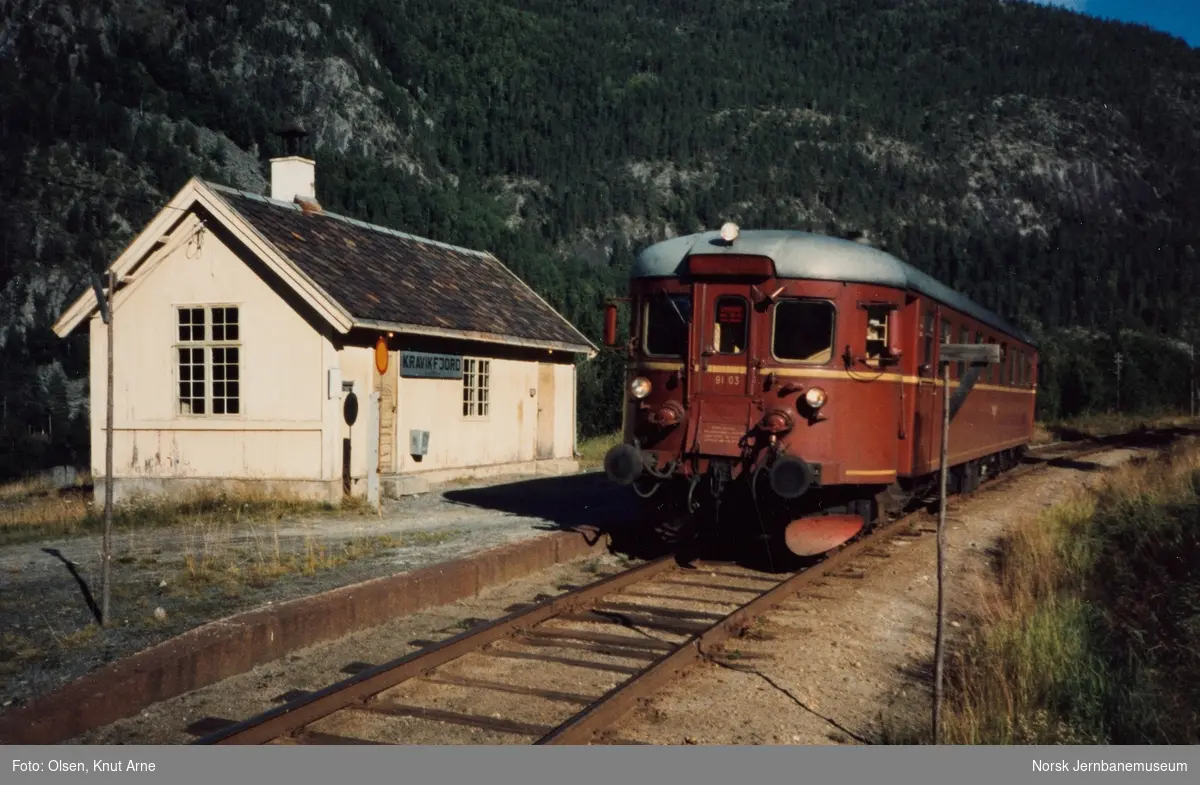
{"x": 745, "y": 382}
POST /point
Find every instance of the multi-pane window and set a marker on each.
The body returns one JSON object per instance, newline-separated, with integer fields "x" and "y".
{"x": 208, "y": 358}
{"x": 476, "y": 384}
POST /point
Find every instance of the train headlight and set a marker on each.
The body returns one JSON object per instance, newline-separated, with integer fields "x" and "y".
{"x": 815, "y": 397}
{"x": 640, "y": 387}
{"x": 729, "y": 232}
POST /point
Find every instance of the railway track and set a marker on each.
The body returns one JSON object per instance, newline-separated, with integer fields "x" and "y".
{"x": 563, "y": 670}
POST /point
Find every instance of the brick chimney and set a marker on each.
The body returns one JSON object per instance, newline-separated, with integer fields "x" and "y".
{"x": 293, "y": 177}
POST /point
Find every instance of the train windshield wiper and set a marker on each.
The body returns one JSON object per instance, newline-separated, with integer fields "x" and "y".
{"x": 675, "y": 307}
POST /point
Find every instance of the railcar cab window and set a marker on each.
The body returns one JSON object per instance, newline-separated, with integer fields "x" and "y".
{"x": 729, "y": 325}
{"x": 666, "y": 320}
{"x": 803, "y": 331}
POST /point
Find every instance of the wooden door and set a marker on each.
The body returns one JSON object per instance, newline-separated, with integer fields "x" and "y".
{"x": 545, "y": 412}
{"x": 388, "y": 383}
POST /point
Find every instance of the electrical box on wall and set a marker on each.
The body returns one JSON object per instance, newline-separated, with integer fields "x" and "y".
{"x": 418, "y": 443}
{"x": 335, "y": 383}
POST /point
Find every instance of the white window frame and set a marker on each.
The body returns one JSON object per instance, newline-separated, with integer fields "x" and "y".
{"x": 476, "y": 395}
{"x": 206, "y": 345}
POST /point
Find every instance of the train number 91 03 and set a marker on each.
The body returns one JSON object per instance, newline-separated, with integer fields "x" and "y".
{"x": 732, "y": 381}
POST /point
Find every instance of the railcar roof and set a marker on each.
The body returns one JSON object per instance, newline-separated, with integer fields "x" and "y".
{"x": 818, "y": 257}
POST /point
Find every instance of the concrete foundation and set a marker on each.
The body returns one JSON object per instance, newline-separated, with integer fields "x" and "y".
{"x": 393, "y": 486}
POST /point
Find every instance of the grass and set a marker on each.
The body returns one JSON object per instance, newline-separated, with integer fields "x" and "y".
{"x": 1101, "y": 424}
{"x": 217, "y": 558}
{"x": 1091, "y": 635}
{"x": 30, "y": 511}
{"x": 592, "y": 450}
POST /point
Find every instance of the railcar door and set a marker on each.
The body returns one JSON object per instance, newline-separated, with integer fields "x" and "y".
{"x": 723, "y": 348}
{"x": 722, "y": 364}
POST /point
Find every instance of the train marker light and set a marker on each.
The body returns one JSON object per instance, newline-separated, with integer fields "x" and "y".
{"x": 729, "y": 232}
{"x": 815, "y": 397}
{"x": 640, "y": 387}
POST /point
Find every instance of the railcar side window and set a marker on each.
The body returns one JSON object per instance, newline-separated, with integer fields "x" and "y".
{"x": 729, "y": 326}
{"x": 928, "y": 335}
{"x": 877, "y": 333}
{"x": 803, "y": 331}
{"x": 991, "y": 369}
{"x": 945, "y": 338}
{"x": 666, "y": 320}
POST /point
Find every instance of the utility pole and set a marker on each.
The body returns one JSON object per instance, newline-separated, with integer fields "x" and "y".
{"x": 976, "y": 356}
{"x": 941, "y": 558}
{"x": 108, "y": 463}
{"x": 104, "y": 301}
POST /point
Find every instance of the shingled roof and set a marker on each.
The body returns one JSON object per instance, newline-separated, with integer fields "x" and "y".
{"x": 382, "y": 276}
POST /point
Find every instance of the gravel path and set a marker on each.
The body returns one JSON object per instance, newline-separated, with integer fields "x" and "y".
{"x": 169, "y": 580}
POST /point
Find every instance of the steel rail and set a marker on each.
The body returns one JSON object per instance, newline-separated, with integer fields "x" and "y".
{"x": 294, "y": 715}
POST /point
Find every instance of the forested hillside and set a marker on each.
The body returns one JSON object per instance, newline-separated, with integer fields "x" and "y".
{"x": 1042, "y": 162}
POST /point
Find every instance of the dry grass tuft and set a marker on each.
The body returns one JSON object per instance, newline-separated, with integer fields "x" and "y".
{"x": 1089, "y": 635}
{"x": 29, "y": 513}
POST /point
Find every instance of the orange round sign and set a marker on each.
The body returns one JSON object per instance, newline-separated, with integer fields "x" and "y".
{"x": 381, "y": 355}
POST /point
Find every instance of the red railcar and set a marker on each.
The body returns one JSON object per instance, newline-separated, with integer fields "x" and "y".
{"x": 803, "y": 368}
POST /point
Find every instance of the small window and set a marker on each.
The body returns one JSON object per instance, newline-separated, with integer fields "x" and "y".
{"x": 877, "y": 332}
{"x": 730, "y": 325}
{"x": 666, "y": 321}
{"x": 991, "y": 369}
{"x": 1004, "y": 362}
{"x": 476, "y": 385}
{"x": 803, "y": 331}
{"x": 208, "y": 360}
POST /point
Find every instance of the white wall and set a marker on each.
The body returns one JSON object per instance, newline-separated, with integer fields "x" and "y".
{"x": 278, "y": 433}
{"x": 507, "y": 435}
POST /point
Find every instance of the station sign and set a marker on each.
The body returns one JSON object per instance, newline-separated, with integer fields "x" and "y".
{"x": 421, "y": 365}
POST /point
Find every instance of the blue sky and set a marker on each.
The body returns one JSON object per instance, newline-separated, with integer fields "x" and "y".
{"x": 1181, "y": 18}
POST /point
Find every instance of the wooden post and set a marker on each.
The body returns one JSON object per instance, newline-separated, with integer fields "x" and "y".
{"x": 106, "y": 558}
{"x": 978, "y": 356}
